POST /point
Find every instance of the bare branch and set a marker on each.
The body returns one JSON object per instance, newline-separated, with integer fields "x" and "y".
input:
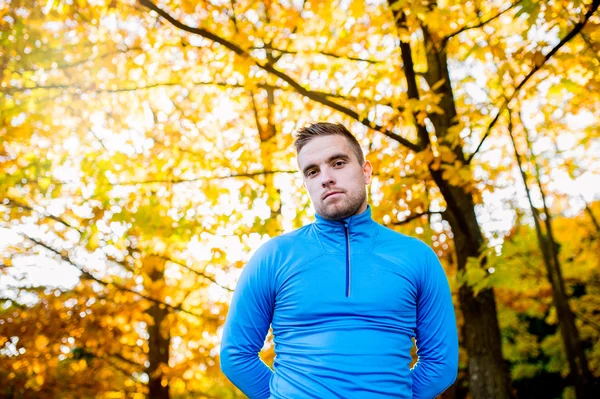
{"x": 576, "y": 29}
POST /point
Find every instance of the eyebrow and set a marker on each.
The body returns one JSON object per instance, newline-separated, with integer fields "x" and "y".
{"x": 340, "y": 155}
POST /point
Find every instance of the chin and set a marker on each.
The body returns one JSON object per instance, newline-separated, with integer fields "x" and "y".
{"x": 335, "y": 213}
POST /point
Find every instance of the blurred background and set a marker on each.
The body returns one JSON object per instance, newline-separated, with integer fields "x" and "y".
{"x": 146, "y": 152}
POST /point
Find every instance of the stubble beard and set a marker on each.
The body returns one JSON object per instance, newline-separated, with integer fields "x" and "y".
{"x": 350, "y": 206}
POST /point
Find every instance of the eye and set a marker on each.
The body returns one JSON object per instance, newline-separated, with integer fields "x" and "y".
{"x": 339, "y": 163}
{"x": 311, "y": 173}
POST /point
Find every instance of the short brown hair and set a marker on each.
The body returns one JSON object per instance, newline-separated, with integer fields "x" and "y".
{"x": 320, "y": 129}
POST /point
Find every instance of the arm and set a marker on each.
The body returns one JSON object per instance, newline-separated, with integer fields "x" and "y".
{"x": 436, "y": 335}
{"x": 246, "y": 327}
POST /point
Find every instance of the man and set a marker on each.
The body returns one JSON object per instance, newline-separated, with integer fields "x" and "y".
{"x": 344, "y": 296}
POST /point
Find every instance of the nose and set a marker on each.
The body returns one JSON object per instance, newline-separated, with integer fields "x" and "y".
{"x": 327, "y": 178}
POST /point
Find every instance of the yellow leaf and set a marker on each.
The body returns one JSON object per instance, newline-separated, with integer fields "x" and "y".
{"x": 41, "y": 342}
{"x": 438, "y": 84}
{"x": 399, "y": 4}
{"x": 189, "y": 7}
{"x": 44, "y": 183}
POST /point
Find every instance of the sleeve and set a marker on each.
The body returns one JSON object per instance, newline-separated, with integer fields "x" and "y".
{"x": 436, "y": 334}
{"x": 247, "y": 325}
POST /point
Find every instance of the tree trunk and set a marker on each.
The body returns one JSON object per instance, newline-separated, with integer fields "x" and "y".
{"x": 488, "y": 375}
{"x": 267, "y": 134}
{"x": 588, "y": 210}
{"x": 578, "y": 366}
{"x": 158, "y": 341}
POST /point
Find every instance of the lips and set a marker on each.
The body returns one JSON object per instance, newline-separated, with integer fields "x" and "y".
{"x": 331, "y": 193}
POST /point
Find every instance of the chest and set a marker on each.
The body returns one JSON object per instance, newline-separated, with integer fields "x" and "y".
{"x": 333, "y": 286}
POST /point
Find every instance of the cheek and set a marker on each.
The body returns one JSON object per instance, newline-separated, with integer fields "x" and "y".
{"x": 358, "y": 177}
{"x": 311, "y": 187}
{"x": 358, "y": 182}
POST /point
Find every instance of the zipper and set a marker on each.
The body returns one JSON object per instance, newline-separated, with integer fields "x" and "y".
{"x": 348, "y": 264}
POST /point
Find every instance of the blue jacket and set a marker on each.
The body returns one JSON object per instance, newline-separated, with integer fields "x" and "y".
{"x": 344, "y": 299}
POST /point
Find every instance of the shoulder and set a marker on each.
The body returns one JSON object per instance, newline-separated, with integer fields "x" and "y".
{"x": 395, "y": 241}
{"x": 293, "y": 236}
{"x": 292, "y": 243}
{"x": 282, "y": 254}
{"x": 286, "y": 240}
{"x": 400, "y": 249}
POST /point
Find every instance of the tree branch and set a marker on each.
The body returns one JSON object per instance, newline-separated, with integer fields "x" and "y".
{"x": 198, "y": 31}
{"x": 114, "y": 365}
{"x": 588, "y": 210}
{"x": 196, "y": 272}
{"x": 415, "y": 216}
{"x": 90, "y": 276}
{"x": 109, "y": 257}
{"x": 37, "y": 102}
{"x": 82, "y": 61}
{"x": 480, "y": 24}
{"x": 123, "y": 358}
{"x": 178, "y": 181}
{"x": 315, "y": 96}
{"x": 576, "y": 29}
{"x": 409, "y": 72}
{"x": 587, "y": 321}
{"x": 13, "y": 90}
{"x": 328, "y": 54}
{"x": 595, "y": 51}
{"x": 233, "y": 16}
{"x": 259, "y": 126}
{"x": 16, "y": 204}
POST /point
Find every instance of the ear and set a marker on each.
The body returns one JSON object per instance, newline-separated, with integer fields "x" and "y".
{"x": 367, "y": 171}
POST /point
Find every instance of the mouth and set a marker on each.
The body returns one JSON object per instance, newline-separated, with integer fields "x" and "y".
{"x": 331, "y": 194}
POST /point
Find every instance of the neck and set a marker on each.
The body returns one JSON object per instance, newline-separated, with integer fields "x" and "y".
{"x": 359, "y": 228}
{"x": 361, "y": 209}
{"x": 363, "y": 213}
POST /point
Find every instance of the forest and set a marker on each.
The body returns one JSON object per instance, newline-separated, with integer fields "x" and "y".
{"x": 146, "y": 152}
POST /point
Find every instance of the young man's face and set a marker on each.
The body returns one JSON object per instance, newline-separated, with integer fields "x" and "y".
{"x": 335, "y": 180}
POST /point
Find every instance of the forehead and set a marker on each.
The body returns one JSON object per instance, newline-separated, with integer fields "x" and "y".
{"x": 320, "y": 149}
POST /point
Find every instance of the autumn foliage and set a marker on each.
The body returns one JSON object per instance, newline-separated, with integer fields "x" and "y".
{"x": 146, "y": 152}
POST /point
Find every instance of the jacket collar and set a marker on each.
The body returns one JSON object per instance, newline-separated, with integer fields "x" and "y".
{"x": 361, "y": 232}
